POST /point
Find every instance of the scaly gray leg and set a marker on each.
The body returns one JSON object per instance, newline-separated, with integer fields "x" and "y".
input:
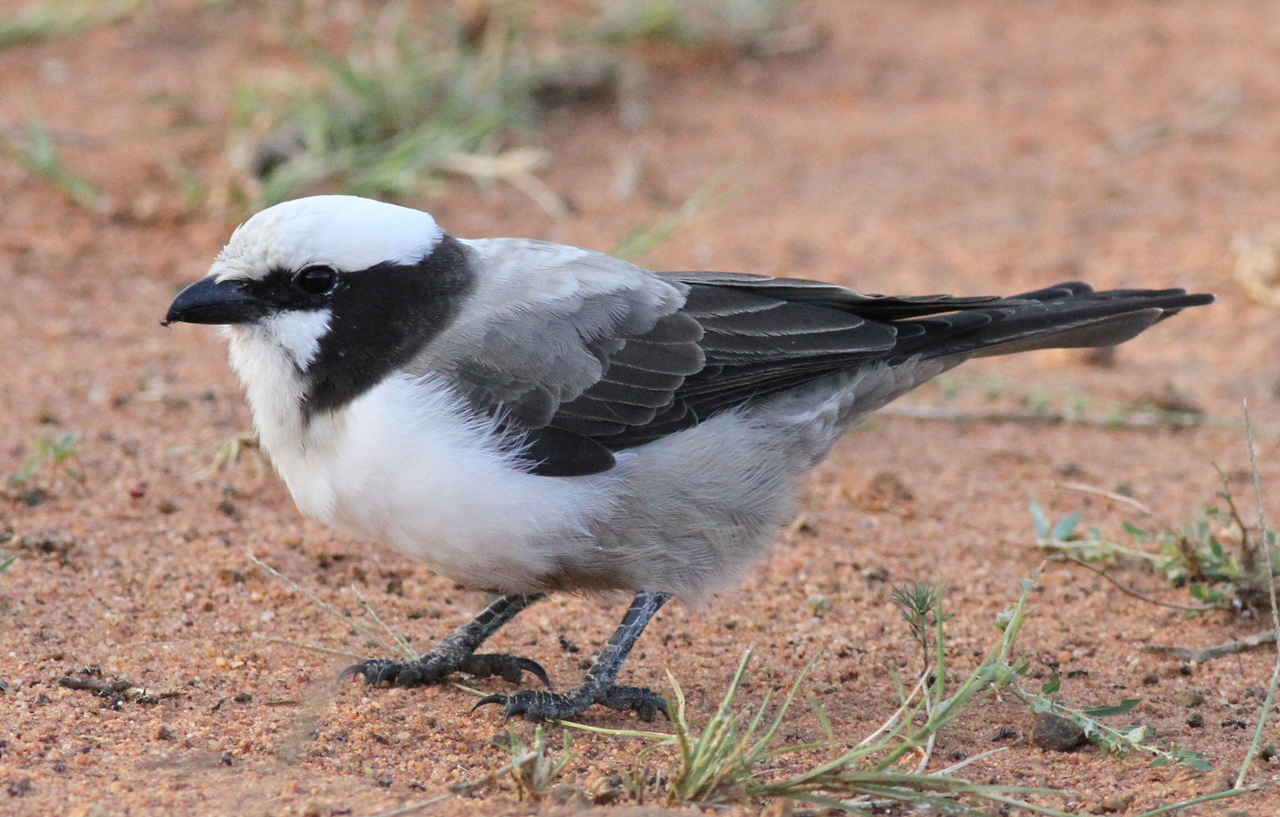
{"x": 597, "y": 687}
{"x": 456, "y": 653}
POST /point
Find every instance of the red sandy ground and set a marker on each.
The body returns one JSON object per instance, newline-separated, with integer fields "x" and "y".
{"x": 966, "y": 147}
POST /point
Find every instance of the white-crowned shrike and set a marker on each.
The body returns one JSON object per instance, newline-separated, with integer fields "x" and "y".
{"x": 526, "y": 417}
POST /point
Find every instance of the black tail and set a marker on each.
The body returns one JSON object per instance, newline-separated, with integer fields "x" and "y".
{"x": 1065, "y": 316}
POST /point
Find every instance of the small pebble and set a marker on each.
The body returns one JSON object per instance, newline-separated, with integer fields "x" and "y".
{"x": 1112, "y": 805}
{"x": 1189, "y": 698}
{"x": 1054, "y": 733}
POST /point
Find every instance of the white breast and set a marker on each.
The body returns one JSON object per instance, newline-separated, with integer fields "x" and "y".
{"x": 408, "y": 465}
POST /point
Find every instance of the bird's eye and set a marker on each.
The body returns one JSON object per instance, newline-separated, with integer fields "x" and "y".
{"x": 316, "y": 280}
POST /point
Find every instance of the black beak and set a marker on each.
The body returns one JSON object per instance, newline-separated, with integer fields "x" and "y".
{"x": 211, "y": 301}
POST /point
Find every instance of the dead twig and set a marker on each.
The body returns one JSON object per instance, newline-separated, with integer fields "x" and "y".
{"x": 368, "y": 634}
{"x": 1253, "y": 572}
{"x": 1265, "y": 546}
{"x": 401, "y": 643}
{"x": 1210, "y": 115}
{"x": 1090, "y": 489}
{"x": 1131, "y": 592}
{"x": 412, "y": 807}
{"x": 516, "y": 167}
{"x": 288, "y": 642}
{"x": 1143, "y": 419}
{"x": 116, "y": 688}
{"x": 1210, "y": 653}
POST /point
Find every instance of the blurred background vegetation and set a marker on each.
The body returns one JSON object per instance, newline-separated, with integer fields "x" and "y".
{"x": 390, "y": 100}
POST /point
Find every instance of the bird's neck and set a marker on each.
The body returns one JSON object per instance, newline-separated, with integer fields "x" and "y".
{"x": 276, "y": 391}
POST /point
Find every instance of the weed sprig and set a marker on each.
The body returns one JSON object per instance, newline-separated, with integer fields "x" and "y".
{"x": 406, "y": 100}
{"x": 37, "y": 153}
{"x": 53, "y": 451}
{"x": 1217, "y": 556}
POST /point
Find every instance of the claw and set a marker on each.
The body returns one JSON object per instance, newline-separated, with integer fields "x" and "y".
{"x": 530, "y": 705}
{"x": 533, "y": 668}
{"x": 351, "y": 672}
{"x": 490, "y": 699}
{"x": 375, "y": 671}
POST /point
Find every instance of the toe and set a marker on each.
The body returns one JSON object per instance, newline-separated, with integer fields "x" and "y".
{"x": 646, "y": 703}
{"x": 532, "y": 705}
{"x": 508, "y": 667}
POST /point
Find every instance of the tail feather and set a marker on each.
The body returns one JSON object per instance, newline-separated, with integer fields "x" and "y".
{"x": 1066, "y": 316}
{"x": 1100, "y": 332}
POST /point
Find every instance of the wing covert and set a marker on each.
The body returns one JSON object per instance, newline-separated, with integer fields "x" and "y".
{"x": 753, "y": 344}
{"x": 566, "y": 345}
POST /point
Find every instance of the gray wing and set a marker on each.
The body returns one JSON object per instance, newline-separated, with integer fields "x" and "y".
{"x": 586, "y": 354}
{"x": 755, "y": 341}
{"x": 762, "y": 336}
{"x": 546, "y": 320}
{"x": 545, "y": 324}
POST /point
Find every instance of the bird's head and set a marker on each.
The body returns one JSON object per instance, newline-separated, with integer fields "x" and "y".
{"x": 340, "y": 290}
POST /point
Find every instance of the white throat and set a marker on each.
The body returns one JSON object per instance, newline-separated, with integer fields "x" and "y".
{"x": 296, "y": 334}
{"x": 270, "y": 358}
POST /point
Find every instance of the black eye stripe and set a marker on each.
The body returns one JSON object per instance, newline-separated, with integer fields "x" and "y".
{"x": 381, "y": 318}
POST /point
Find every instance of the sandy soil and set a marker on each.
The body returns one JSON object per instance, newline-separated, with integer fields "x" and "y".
{"x": 965, "y": 147}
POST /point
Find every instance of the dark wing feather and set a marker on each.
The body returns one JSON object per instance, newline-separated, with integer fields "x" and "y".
{"x": 639, "y": 382}
{"x": 762, "y": 336}
{"x": 833, "y": 296}
{"x": 753, "y": 343}
{"x": 739, "y": 338}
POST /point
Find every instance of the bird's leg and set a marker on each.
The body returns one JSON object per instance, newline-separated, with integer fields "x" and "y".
{"x": 457, "y": 653}
{"x": 597, "y": 686}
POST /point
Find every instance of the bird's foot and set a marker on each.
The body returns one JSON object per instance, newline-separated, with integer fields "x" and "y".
{"x": 535, "y": 705}
{"x": 435, "y": 666}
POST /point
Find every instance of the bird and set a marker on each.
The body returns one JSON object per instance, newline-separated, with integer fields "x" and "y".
{"x": 526, "y": 417}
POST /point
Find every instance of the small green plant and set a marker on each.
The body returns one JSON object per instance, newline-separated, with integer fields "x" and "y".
{"x": 1220, "y": 576}
{"x": 38, "y": 154}
{"x": 1195, "y": 556}
{"x": 920, "y": 604}
{"x": 1050, "y": 533}
{"x": 1218, "y": 557}
{"x": 53, "y": 451}
{"x": 51, "y": 19}
{"x": 407, "y": 98}
{"x": 5, "y": 564}
{"x": 727, "y": 762}
{"x": 532, "y": 769}
{"x": 733, "y": 757}
{"x": 1118, "y": 741}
